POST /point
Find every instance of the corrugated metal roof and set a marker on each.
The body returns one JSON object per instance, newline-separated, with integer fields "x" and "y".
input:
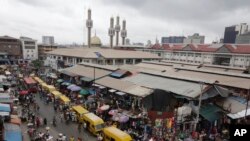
{"x": 106, "y": 53}
{"x": 231, "y": 105}
{"x": 179, "y": 87}
{"x": 86, "y": 71}
{"x": 124, "y": 86}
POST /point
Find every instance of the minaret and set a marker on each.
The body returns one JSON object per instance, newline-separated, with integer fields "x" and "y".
{"x": 117, "y": 29}
{"x": 123, "y": 32}
{"x": 111, "y": 31}
{"x": 89, "y": 24}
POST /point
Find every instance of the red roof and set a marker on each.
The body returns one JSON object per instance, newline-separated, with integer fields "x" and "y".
{"x": 29, "y": 80}
{"x": 156, "y": 46}
{"x": 234, "y": 48}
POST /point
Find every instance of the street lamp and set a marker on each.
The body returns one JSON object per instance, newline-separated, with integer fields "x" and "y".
{"x": 199, "y": 106}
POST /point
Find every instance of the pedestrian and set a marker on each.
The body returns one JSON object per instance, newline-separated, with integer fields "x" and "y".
{"x": 85, "y": 126}
{"x": 61, "y": 117}
{"x": 79, "y": 127}
{"x": 37, "y": 108}
{"x": 45, "y": 122}
{"x": 99, "y": 137}
{"x": 72, "y": 138}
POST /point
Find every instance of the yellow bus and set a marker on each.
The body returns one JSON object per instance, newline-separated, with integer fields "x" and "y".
{"x": 94, "y": 123}
{"x": 115, "y": 134}
{"x": 79, "y": 112}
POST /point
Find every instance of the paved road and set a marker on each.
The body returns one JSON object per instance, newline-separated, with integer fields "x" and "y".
{"x": 69, "y": 129}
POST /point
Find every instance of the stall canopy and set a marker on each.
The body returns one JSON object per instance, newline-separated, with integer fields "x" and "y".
{"x": 119, "y": 73}
{"x": 112, "y": 90}
{"x": 59, "y": 80}
{"x": 23, "y": 92}
{"x": 2, "y": 78}
{"x": 210, "y": 112}
{"x": 4, "y": 107}
{"x": 87, "y": 79}
{"x": 44, "y": 85}
{"x": 51, "y": 88}
{"x": 12, "y": 132}
{"x": 29, "y": 80}
{"x": 38, "y": 79}
{"x": 79, "y": 109}
{"x": 56, "y": 93}
{"x": 240, "y": 114}
{"x": 120, "y": 93}
{"x": 7, "y": 73}
{"x": 66, "y": 83}
{"x": 5, "y": 98}
{"x": 65, "y": 99}
{"x": 84, "y": 92}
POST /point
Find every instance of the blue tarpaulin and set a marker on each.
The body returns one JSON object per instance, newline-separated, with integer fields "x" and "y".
{"x": 119, "y": 73}
{"x": 91, "y": 91}
{"x": 114, "y": 74}
{"x": 12, "y": 132}
{"x": 4, "y": 107}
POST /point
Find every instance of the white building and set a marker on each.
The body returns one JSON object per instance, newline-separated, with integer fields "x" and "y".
{"x": 242, "y": 28}
{"x": 96, "y": 55}
{"x": 234, "y": 55}
{"x": 243, "y": 38}
{"x": 29, "y": 48}
{"x": 194, "y": 39}
{"x": 48, "y": 40}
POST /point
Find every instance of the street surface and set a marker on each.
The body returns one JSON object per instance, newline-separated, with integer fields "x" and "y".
{"x": 70, "y": 129}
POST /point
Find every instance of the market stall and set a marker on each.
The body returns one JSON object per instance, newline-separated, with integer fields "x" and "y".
{"x": 56, "y": 94}
{"x": 64, "y": 99}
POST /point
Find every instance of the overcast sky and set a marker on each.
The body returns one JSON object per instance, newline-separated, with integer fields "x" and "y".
{"x": 146, "y": 19}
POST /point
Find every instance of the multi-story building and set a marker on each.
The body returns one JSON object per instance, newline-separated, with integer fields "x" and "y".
{"x": 29, "y": 48}
{"x": 71, "y": 56}
{"x": 48, "y": 40}
{"x": 172, "y": 39}
{"x": 194, "y": 39}
{"x": 243, "y": 38}
{"x": 12, "y": 47}
{"x": 43, "y": 48}
{"x": 233, "y": 55}
{"x": 231, "y": 32}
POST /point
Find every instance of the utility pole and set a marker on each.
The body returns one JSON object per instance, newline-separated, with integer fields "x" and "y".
{"x": 199, "y": 106}
{"x": 247, "y": 102}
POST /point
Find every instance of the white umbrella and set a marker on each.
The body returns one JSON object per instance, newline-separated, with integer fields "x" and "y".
{"x": 105, "y": 107}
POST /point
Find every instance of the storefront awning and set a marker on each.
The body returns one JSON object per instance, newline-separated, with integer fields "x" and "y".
{"x": 86, "y": 79}
{"x": 4, "y": 107}
{"x": 120, "y": 93}
{"x": 112, "y": 90}
{"x": 210, "y": 112}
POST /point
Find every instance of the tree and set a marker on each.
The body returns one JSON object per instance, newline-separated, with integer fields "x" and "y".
{"x": 37, "y": 64}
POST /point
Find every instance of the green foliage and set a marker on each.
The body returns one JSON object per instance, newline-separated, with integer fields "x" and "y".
{"x": 37, "y": 63}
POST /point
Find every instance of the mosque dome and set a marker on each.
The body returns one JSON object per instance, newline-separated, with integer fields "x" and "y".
{"x": 95, "y": 41}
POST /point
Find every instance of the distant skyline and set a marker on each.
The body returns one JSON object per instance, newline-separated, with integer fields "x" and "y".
{"x": 146, "y": 19}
